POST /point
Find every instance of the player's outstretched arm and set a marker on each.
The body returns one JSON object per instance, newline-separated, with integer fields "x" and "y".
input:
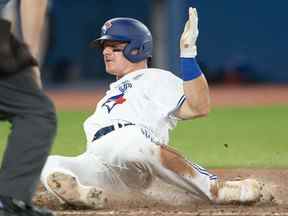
{"x": 195, "y": 85}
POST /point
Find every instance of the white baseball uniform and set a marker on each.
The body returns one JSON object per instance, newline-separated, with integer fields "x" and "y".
{"x": 125, "y": 136}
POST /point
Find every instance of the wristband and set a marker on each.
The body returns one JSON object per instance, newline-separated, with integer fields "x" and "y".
{"x": 189, "y": 68}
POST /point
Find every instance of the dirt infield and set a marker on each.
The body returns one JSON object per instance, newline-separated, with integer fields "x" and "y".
{"x": 275, "y": 179}
{"x": 275, "y": 184}
{"x": 220, "y": 96}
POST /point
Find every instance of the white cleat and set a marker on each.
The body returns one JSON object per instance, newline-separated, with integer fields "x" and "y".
{"x": 69, "y": 191}
{"x": 244, "y": 191}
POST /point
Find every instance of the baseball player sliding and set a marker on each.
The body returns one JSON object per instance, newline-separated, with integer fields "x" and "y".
{"x": 128, "y": 134}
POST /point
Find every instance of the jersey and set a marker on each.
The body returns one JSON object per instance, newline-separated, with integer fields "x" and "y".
{"x": 146, "y": 97}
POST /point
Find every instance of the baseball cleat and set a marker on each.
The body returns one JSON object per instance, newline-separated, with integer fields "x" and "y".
{"x": 69, "y": 191}
{"x": 244, "y": 191}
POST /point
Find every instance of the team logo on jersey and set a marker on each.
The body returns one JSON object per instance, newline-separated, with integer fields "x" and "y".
{"x": 113, "y": 101}
{"x": 118, "y": 99}
{"x": 123, "y": 87}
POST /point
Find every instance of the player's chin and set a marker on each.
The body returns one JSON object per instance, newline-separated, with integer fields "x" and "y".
{"x": 109, "y": 70}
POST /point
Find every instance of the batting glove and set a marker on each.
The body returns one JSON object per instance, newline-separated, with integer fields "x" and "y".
{"x": 189, "y": 36}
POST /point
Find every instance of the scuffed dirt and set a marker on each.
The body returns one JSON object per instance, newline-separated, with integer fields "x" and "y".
{"x": 181, "y": 204}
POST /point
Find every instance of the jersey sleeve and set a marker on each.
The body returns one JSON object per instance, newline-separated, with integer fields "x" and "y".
{"x": 167, "y": 91}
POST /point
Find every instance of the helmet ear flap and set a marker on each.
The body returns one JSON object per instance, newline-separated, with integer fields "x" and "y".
{"x": 147, "y": 48}
{"x": 131, "y": 55}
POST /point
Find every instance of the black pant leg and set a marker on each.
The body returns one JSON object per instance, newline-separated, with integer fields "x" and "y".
{"x": 33, "y": 120}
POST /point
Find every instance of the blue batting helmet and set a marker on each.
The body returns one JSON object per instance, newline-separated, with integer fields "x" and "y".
{"x": 129, "y": 30}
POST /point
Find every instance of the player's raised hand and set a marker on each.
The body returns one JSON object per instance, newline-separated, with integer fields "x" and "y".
{"x": 189, "y": 36}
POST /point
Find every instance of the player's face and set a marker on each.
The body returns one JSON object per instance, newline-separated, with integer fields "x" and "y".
{"x": 115, "y": 62}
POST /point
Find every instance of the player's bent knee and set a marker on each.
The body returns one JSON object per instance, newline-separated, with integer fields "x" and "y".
{"x": 137, "y": 175}
{"x": 53, "y": 164}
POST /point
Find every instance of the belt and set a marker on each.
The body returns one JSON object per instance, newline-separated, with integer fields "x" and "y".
{"x": 105, "y": 130}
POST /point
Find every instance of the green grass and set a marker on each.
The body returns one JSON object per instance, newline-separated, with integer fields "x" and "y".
{"x": 236, "y": 137}
{"x": 228, "y": 137}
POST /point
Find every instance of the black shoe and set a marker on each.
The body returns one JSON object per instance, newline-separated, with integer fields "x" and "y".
{"x": 12, "y": 207}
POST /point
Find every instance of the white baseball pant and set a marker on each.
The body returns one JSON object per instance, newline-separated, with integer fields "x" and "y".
{"x": 128, "y": 159}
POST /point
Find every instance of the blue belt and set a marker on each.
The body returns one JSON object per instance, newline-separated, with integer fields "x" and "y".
{"x": 105, "y": 130}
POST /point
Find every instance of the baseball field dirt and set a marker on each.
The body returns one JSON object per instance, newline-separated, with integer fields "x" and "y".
{"x": 251, "y": 95}
{"x": 275, "y": 201}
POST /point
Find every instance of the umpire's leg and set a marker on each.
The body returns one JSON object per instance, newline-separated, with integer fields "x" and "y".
{"x": 33, "y": 120}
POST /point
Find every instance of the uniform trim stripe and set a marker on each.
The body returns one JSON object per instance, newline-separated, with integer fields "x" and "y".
{"x": 181, "y": 101}
{"x": 203, "y": 171}
{"x": 213, "y": 177}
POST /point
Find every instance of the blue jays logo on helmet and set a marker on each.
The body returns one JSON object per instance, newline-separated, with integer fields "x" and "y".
{"x": 106, "y": 26}
{"x": 129, "y": 30}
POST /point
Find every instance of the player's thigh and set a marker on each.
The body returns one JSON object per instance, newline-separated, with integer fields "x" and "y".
{"x": 125, "y": 144}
